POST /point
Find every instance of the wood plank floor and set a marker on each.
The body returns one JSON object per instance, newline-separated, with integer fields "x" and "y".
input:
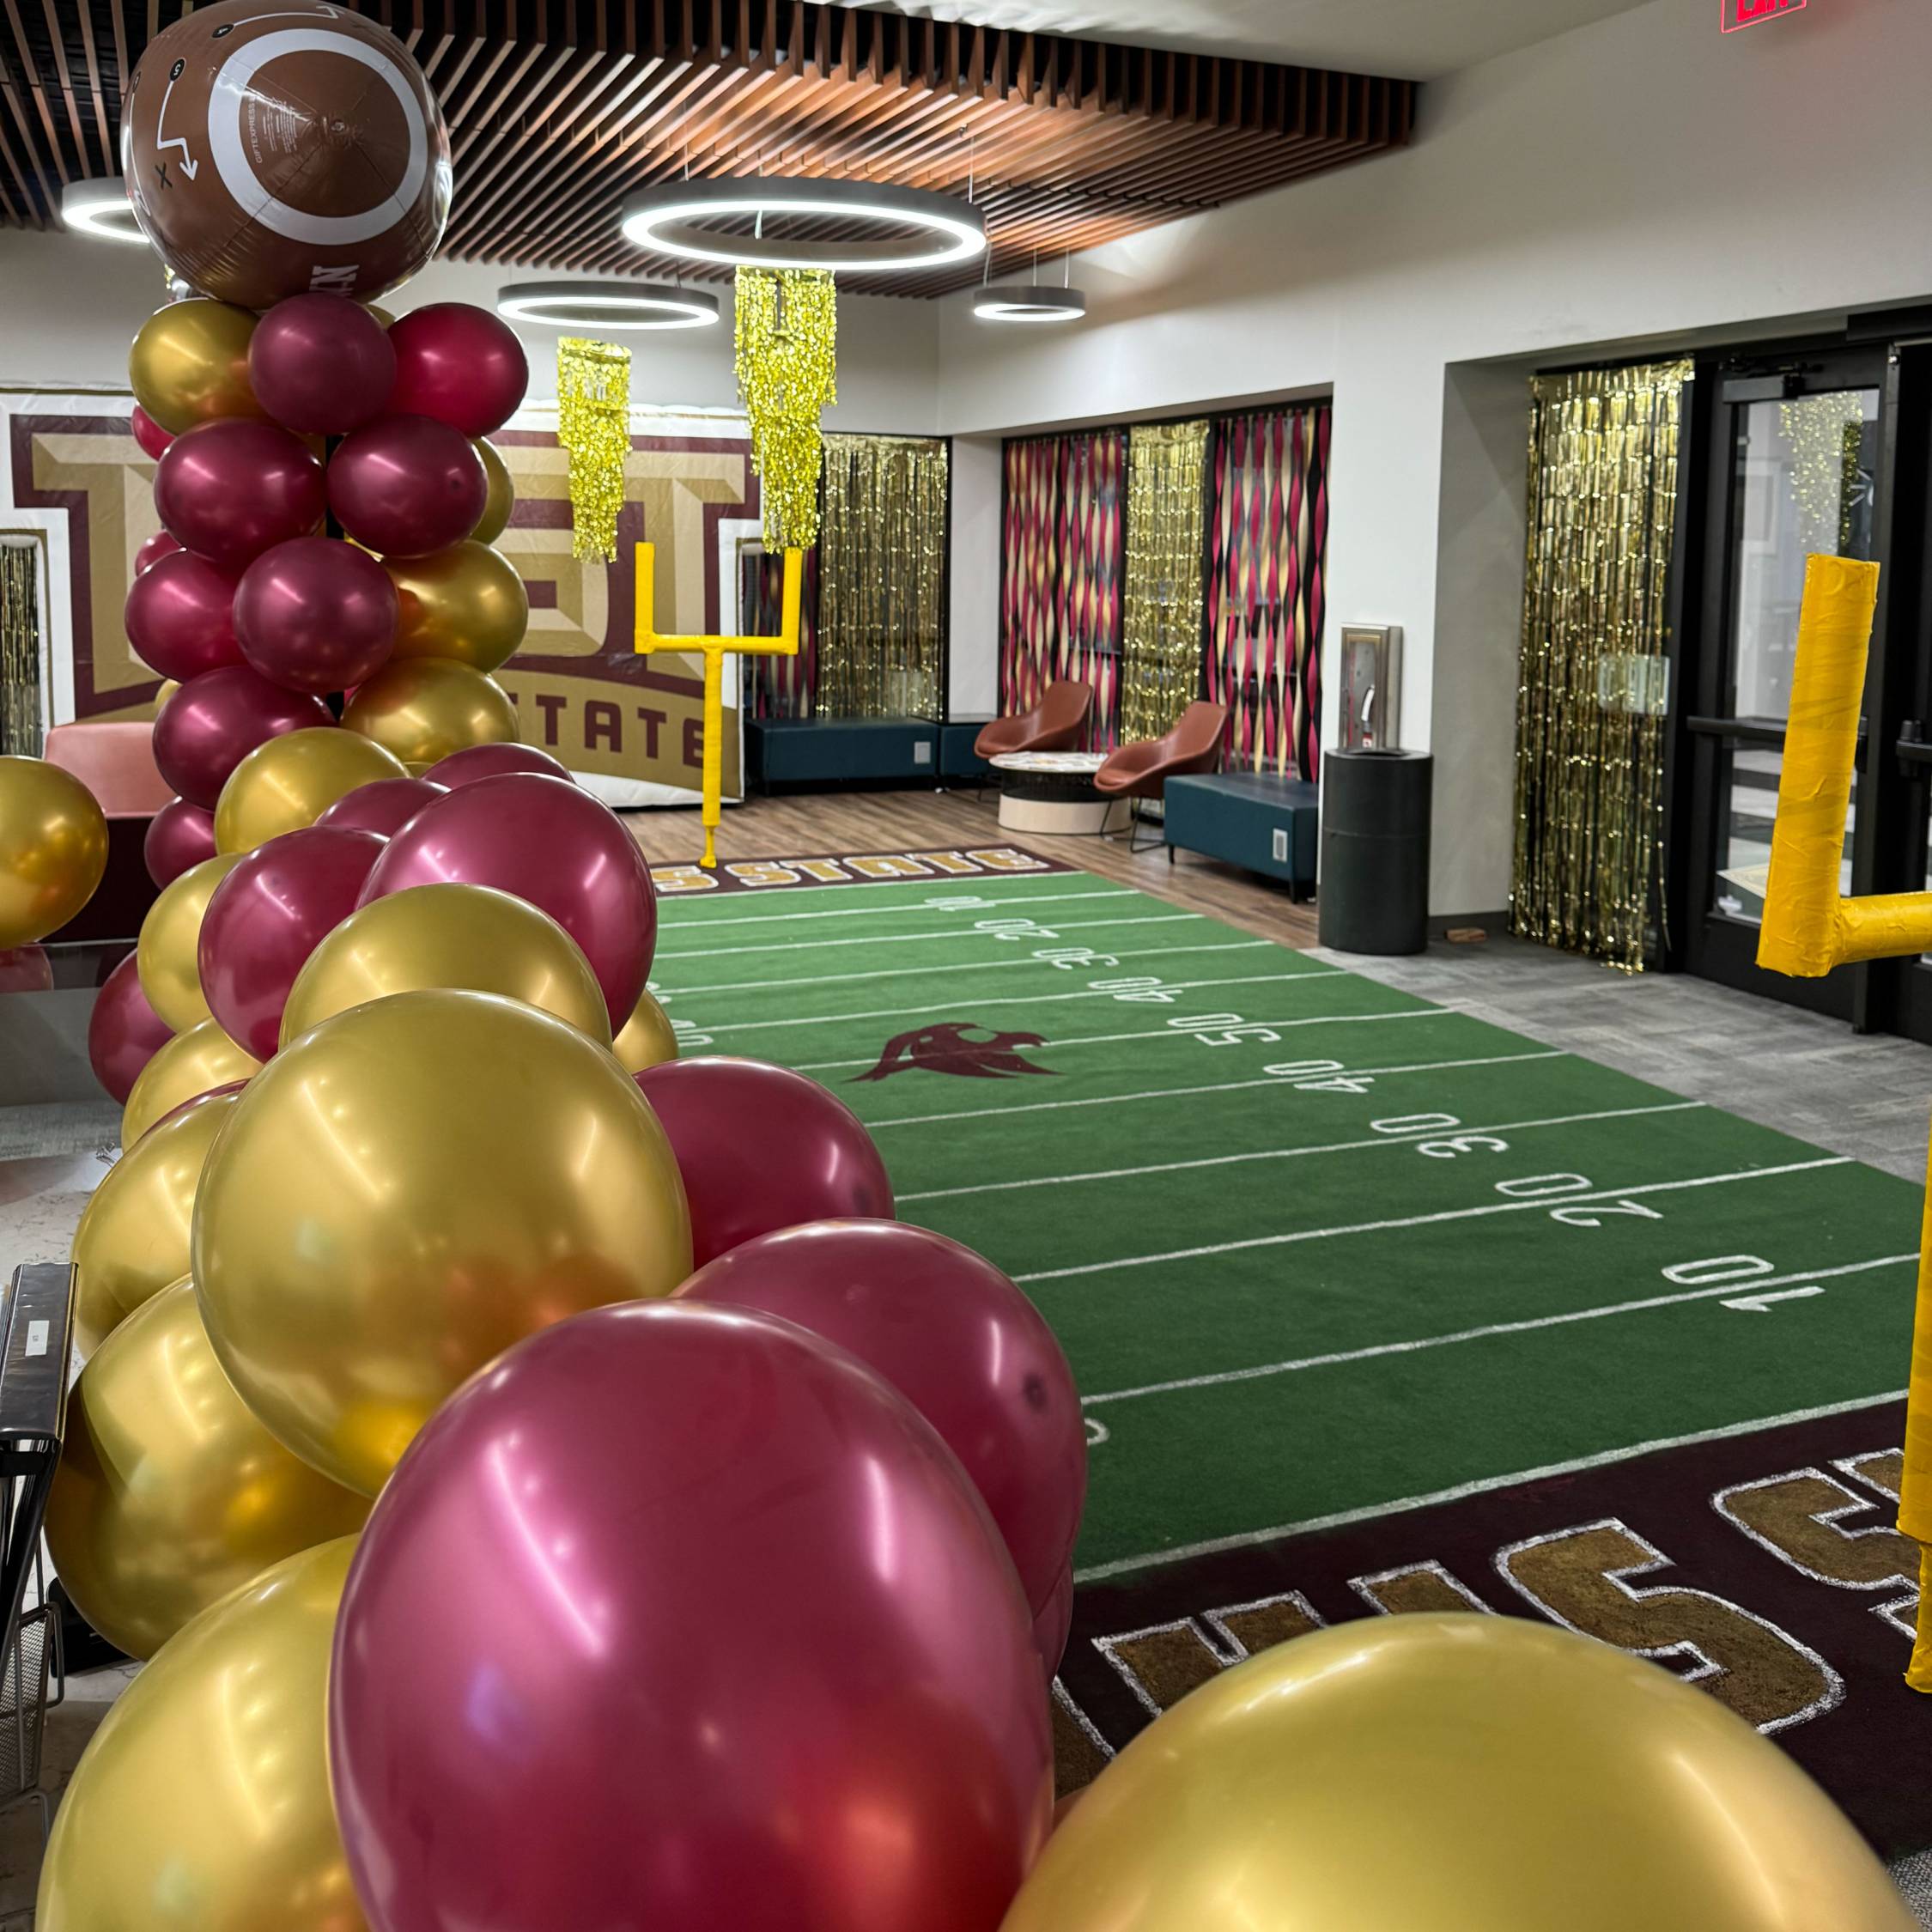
{"x": 807, "y": 825}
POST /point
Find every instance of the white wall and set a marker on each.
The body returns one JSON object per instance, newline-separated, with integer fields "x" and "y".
{"x": 973, "y": 622}
{"x": 70, "y": 306}
{"x": 1636, "y": 182}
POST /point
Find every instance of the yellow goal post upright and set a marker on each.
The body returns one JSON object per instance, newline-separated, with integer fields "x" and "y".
{"x": 647, "y": 639}
{"x": 1810, "y": 926}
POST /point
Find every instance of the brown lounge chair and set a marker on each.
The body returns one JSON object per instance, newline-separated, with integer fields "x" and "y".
{"x": 1141, "y": 771}
{"x": 1057, "y": 723}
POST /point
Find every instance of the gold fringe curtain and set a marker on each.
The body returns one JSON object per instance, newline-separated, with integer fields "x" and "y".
{"x": 1593, "y": 686}
{"x": 1161, "y": 639}
{"x": 881, "y": 576}
{"x": 593, "y": 424}
{"x": 20, "y": 651}
{"x": 786, "y": 344}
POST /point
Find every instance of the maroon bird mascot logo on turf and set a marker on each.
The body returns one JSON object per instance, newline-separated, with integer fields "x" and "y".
{"x": 944, "y": 1048}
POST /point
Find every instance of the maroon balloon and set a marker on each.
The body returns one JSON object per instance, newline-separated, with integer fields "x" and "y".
{"x": 321, "y": 364}
{"x": 267, "y": 916}
{"x": 459, "y": 364}
{"x": 495, "y": 760}
{"x": 383, "y": 806}
{"x": 1052, "y": 1624}
{"x": 179, "y": 616}
{"x": 148, "y": 433}
{"x": 316, "y": 614}
{"x": 228, "y": 490}
{"x": 212, "y": 723}
{"x": 180, "y": 834}
{"x": 761, "y": 1148}
{"x": 406, "y": 485}
{"x": 27, "y": 968}
{"x": 159, "y": 545}
{"x": 552, "y": 844}
{"x": 679, "y": 1617}
{"x": 123, "y": 1031}
{"x": 946, "y": 1328}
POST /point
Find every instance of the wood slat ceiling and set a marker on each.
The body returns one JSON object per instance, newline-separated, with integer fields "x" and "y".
{"x": 560, "y": 111}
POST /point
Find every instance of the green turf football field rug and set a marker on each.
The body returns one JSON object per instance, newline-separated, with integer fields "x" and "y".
{"x": 1374, "y": 1306}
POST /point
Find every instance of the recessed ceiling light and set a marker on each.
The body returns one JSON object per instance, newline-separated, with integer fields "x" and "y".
{"x": 685, "y": 218}
{"x": 607, "y": 305}
{"x": 1026, "y": 301}
{"x": 101, "y": 208}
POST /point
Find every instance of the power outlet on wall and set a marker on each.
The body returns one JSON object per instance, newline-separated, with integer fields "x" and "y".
{"x": 1278, "y": 848}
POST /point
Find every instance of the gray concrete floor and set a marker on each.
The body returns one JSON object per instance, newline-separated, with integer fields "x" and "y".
{"x": 1868, "y": 1096}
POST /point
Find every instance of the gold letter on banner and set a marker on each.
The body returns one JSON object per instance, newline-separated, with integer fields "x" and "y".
{"x": 785, "y": 645}
{"x": 1809, "y": 928}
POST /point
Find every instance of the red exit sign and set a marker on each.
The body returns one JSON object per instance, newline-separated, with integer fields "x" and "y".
{"x": 1749, "y": 12}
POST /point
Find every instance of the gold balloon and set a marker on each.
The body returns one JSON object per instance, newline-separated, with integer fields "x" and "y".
{"x": 460, "y": 938}
{"x": 192, "y": 1063}
{"x": 1461, "y": 1773}
{"x": 202, "y": 1804}
{"x": 167, "y": 955}
{"x": 410, "y": 1189}
{"x": 132, "y": 1238}
{"x": 190, "y": 364}
{"x": 54, "y": 849}
{"x": 289, "y": 782}
{"x": 466, "y": 604}
{"x": 164, "y": 691}
{"x": 646, "y": 1038}
{"x": 168, "y": 1493}
{"x": 502, "y": 494}
{"x": 423, "y": 708}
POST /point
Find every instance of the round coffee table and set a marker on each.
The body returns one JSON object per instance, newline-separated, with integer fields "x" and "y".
{"x": 1051, "y": 792}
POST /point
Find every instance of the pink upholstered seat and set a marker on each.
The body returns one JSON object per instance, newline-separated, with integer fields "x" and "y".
{"x": 116, "y": 762}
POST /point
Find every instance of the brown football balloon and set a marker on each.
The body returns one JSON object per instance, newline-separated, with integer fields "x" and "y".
{"x": 273, "y": 150}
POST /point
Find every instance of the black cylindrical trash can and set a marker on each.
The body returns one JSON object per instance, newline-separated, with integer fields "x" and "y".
{"x": 1374, "y": 891}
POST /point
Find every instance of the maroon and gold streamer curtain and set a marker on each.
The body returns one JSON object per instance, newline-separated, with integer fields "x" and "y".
{"x": 1592, "y": 689}
{"x": 1267, "y": 544}
{"x": 1062, "y": 571}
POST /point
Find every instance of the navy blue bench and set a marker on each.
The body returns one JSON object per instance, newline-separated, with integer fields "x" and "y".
{"x": 783, "y": 752}
{"x": 957, "y": 758}
{"x": 1268, "y": 823}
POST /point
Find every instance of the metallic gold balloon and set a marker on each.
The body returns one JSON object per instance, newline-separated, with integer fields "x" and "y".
{"x": 190, "y": 364}
{"x": 54, "y": 849}
{"x": 167, "y": 953}
{"x": 646, "y": 1038}
{"x": 420, "y": 709}
{"x": 461, "y": 937}
{"x": 502, "y": 494}
{"x": 192, "y": 1063}
{"x": 289, "y": 782}
{"x": 411, "y": 1188}
{"x": 466, "y": 604}
{"x": 202, "y": 1804}
{"x": 168, "y": 1493}
{"x": 164, "y": 691}
{"x": 1461, "y": 1773}
{"x": 132, "y": 1238}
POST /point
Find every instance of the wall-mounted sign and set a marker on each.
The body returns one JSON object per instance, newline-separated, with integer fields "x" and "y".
{"x": 1749, "y": 12}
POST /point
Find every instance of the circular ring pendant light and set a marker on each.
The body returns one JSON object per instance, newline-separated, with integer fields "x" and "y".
{"x": 607, "y": 305}
{"x": 101, "y": 208}
{"x": 1026, "y": 301}
{"x": 684, "y": 218}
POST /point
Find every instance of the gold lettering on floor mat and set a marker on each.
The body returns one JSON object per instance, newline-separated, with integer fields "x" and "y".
{"x": 1424, "y": 1588}
{"x": 1577, "y": 1577}
{"x": 1794, "y": 1516}
{"x": 1884, "y": 1469}
{"x": 1249, "y": 1627}
{"x": 1161, "y": 1665}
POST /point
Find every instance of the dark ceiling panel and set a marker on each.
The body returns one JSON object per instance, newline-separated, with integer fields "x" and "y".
{"x": 560, "y": 111}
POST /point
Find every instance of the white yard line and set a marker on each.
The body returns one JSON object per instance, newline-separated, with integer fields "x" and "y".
{"x": 1403, "y": 1139}
{"x": 982, "y": 966}
{"x": 670, "y": 924}
{"x": 1218, "y": 1378}
{"x": 1479, "y": 1486}
{"x": 1430, "y": 1220}
{"x": 954, "y": 932}
{"x": 1148, "y": 1036}
{"x": 1044, "y": 999}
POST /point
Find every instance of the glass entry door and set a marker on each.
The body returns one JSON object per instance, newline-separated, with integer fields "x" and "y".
{"x": 1796, "y": 458}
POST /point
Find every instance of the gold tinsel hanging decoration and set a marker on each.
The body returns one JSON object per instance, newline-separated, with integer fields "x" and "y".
{"x": 787, "y": 332}
{"x": 593, "y": 424}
